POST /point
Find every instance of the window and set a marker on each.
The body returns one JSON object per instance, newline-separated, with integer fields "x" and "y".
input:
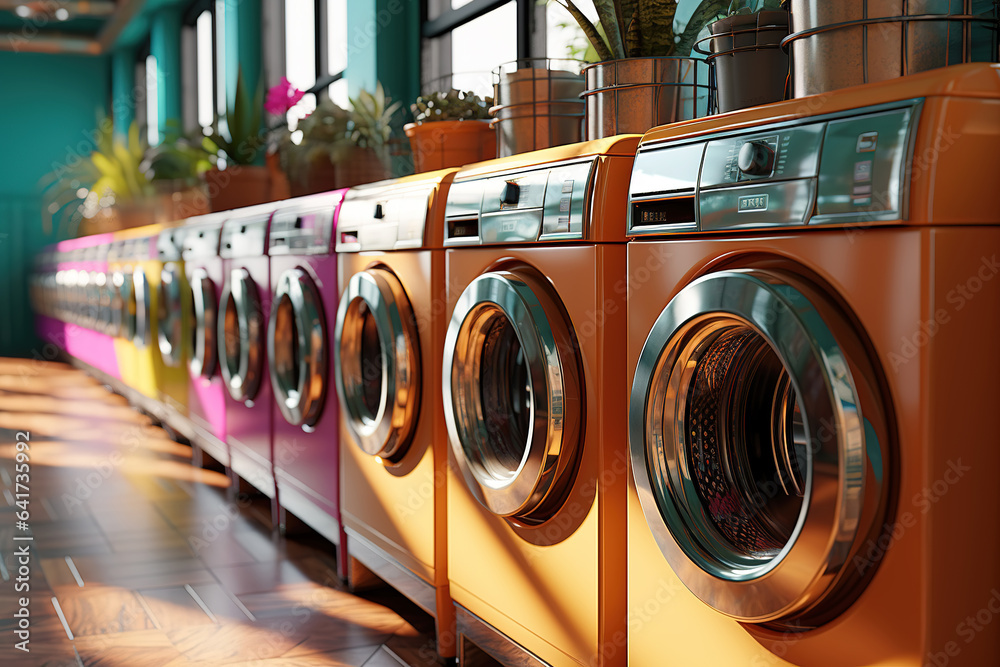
{"x": 152, "y": 99}
{"x": 205, "y": 69}
{"x": 336, "y": 50}
{"x": 464, "y": 40}
{"x": 300, "y": 53}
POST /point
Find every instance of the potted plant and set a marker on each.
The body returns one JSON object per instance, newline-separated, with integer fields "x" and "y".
{"x": 645, "y": 77}
{"x": 334, "y": 148}
{"x": 538, "y": 104}
{"x": 745, "y": 48}
{"x": 449, "y": 130}
{"x": 239, "y": 143}
{"x": 175, "y": 168}
{"x": 105, "y": 190}
{"x": 839, "y": 44}
{"x": 367, "y": 158}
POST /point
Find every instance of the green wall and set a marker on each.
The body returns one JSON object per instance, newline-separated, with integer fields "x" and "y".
{"x": 48, "y": 110}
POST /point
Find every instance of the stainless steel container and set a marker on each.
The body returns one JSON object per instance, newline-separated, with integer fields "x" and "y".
{"x": 839, "y": 44}
{"x": 538, "y": 104}
{"x": 633, "y": 95}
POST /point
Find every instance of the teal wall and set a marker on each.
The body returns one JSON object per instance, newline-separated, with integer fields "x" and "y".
{"x": 47, "y": 115}
{"x": 384, "y": 38}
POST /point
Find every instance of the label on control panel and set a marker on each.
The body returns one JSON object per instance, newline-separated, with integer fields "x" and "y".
{"x": 752, "y": 203}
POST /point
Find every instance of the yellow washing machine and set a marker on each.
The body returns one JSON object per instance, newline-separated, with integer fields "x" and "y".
{"x": 173, "y": 315}
{"x": 532, "y": 376}
{"x": 388, "y": 337}
{"x": 136, "y": 272}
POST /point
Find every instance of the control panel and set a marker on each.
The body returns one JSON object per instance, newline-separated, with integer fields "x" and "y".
{"x": 201, "y": 241}
{"x": 840, "y": 168}
{"x": 546, "y": 203}
{"x": 302, "y": 230}
{"x": 169, "y": 244}
{"x": 244, "y": 236}
{"x": 384, "y": 216}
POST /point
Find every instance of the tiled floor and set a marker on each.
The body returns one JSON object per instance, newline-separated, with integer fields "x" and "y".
{"x": 137, "y": 558}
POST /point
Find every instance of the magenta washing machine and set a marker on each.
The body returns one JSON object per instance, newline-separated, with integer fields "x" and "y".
{"x": 304, "y": 296}
{"x": 87, "y": 335}
{"x": 241, "y": 336}
{"x": 206, "y": 388}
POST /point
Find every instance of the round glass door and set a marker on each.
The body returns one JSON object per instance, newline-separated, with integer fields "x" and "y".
{"x": 377, "y": 359}
{"x": 296, "y": 348}
{"x": 143, "y": 309}
{"x": 758, "y": 445}
{"x": 240, "y": 339}
{"x": 170, "y": 315}
{"x": 512, "y": 395}
{"x": 204, "y": 315}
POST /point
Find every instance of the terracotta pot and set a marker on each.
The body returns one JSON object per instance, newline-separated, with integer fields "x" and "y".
{"x": 450, "y": 143}
{"x": 106, "y": 220}
{"x": 633, "y": 95}
{"x": 750, "y": 67}
{"x": 854, "y": 54}
{"x": 238, "y": 186}
{"x": 321, "y": 176}
{"x": 536, "y": 107}
{"x": 360, "y": 166}
{"x": 280, "y": 187}
{"x": 177, "y": 201}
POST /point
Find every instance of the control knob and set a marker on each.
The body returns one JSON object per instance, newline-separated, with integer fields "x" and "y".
{"x": 756, "y": 159}
{"x": 511, "y": 193}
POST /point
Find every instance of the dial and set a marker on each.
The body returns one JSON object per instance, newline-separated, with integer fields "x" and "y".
{"x": 756, "y": 158}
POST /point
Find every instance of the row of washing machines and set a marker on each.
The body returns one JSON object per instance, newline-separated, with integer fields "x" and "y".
{"x": 723, "y": 394}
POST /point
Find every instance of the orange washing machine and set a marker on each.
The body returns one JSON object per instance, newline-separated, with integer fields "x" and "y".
{"x": 532, "y": 377}
{"x": 387, "y": 349}
{"x": 813, "y": 306}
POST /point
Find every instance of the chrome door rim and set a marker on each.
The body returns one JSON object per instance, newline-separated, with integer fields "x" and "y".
{"x": 143, "y": 309}
{"x": 387, "y": 433}
{"x": 302, "y": 403}
{"x": 170, "y": 315}
{"x": 830, "y": 520}
{"x": 243, "y": 380}
{"x": 206, "y": 309}
{"x": 534, "y": 491}
{"x": 123, "y": 318}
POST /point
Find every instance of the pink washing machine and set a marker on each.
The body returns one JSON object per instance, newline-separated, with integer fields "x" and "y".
{"x": 45, "y": 301}
{"x": 306, "y": 418}
{"x": 244, "y": 306}
{"x": 206, "y": 388}
{"x": 83, "y": 263}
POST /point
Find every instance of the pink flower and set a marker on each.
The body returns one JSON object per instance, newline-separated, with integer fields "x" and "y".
{"x": 282, "y": 97}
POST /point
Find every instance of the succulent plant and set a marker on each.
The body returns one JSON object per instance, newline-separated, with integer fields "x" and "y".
{"x": 453, "y": 105}
{"x": 636, "y": 28}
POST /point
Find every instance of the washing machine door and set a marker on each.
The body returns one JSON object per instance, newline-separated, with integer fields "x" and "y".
{"x": 123, "y": 305}
{"x": 296, "y": 348}
{"x": 377, "y": 360}
{"x": 170, "y": 314}
{"x": 241, "y": 336}
{"x": 760, "y": 447}
{"x": 204, "y": 317}
{"x": 512, "y": 395}
{"x": 143, "y": 309}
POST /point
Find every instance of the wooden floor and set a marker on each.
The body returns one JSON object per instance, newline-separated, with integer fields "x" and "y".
{"x": 137, "y": 558}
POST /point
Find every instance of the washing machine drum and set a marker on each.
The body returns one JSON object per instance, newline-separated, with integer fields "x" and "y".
{"x": 296, "y": 348}
{"x": 512, "y": 395}
{"x": 204, "y": 318}
{"x": 760, "y": 447}
{"x": 241, "y": 336}
{"x": 170, "y": 314}
{"x": 377, "y": 364}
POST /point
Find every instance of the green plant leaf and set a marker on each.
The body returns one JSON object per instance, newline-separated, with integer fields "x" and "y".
{"x": 608, "y": 15}
{"x": 598, "y": 42}
{"x": 656, "y": 25}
